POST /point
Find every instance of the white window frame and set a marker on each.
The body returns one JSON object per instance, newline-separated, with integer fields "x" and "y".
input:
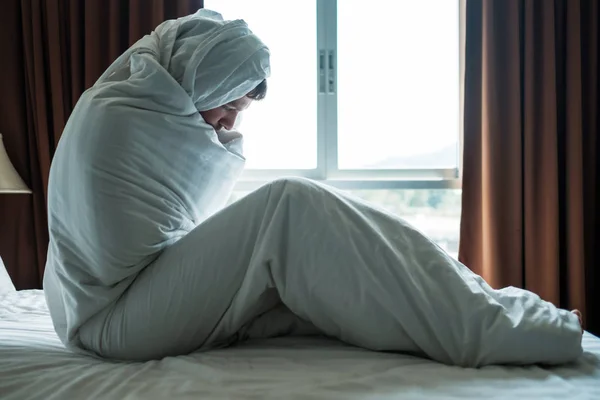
{"x": 327, "y": 170}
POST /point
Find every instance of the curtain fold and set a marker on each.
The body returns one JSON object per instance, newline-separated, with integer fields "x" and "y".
{"x": 55, "y": 49}
{"x": 530, "y": 178}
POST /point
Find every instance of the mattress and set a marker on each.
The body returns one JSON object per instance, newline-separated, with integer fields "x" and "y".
{"x": 35, "y": 365}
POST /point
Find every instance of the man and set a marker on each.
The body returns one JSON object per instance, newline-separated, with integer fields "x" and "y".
{"x": 144, "y": 262}
{"x": 223, "y": 119}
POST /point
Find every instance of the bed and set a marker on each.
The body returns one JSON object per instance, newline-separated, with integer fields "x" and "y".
{"x": 35, "y": 365}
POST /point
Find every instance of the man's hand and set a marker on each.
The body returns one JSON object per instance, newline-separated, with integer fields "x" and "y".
{"x": 226, "y": 136}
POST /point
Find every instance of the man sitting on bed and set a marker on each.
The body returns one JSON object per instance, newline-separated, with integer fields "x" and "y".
{"x": 144, "y": 262}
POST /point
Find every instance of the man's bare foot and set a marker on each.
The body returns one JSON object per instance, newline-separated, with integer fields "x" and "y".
{"x": 580, "y": 317}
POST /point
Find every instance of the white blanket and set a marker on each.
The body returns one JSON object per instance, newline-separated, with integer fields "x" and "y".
{"x": 141, "y": 267}
{"x": 137, "y": 167}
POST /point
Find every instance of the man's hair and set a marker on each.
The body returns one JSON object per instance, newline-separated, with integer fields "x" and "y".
{"x": 259, "y": 92}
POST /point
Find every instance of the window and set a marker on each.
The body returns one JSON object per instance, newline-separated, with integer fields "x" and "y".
{"x": 281, "y": 130}
{"x": 363, "y": 98}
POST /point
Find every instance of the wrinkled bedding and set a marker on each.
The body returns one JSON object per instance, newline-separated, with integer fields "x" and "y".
{"x": 35, "y": 365}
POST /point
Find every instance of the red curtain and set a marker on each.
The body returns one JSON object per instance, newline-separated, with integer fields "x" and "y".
{"x": 531, "y": 174}
{"x": 53, "y": 50}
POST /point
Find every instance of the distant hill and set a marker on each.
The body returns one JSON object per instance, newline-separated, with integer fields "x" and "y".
{"x": 445, "y": 157}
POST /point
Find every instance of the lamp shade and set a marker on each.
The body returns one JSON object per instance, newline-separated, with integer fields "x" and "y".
{"x": 10, "y": 181}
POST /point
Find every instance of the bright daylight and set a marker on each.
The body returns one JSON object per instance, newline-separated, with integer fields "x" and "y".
{"x": 387, "y": 89}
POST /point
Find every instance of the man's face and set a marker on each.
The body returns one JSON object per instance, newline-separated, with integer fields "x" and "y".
{"x": 225, "y": 116}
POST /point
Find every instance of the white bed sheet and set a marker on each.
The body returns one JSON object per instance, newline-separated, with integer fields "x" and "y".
{"x": 35, "y": 365}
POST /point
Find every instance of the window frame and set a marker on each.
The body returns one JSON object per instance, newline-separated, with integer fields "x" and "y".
{"x": 327, "y": 170}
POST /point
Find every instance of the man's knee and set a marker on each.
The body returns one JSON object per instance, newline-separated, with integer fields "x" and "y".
{"x": 297, "y": 184}
{"x": 302, "y": 193}
{"x": 294, "y": 188}
{"x": 291, "y": 182}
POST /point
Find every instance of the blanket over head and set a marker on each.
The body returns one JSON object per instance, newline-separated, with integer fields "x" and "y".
{"x": 137, "y": 167}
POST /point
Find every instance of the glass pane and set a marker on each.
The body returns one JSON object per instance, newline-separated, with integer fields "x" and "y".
{"x": 280, "y": 132}
{"x": 435, "y": 212}
{"x": 398, "y": 84}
